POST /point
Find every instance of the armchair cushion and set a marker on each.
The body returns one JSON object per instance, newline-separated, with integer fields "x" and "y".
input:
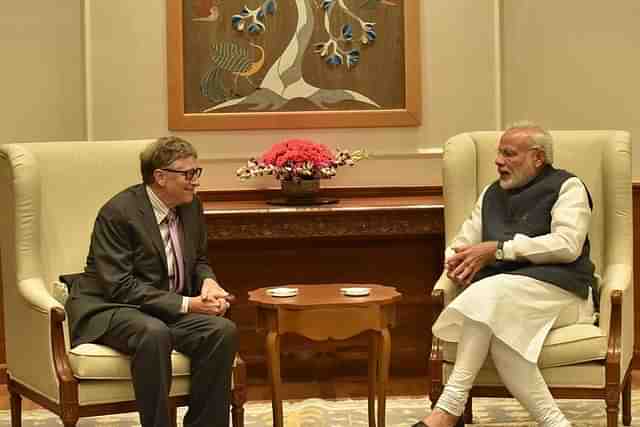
{"x": 99, "y": 362}
{"x": 564, "y": 346}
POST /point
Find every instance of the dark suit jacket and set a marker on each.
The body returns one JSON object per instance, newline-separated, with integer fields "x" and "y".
{"x": 127, "y": 265}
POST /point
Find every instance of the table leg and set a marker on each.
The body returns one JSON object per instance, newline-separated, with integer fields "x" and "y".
{"x": 383, "y": 374}
{"x": 373, "y": 375}
{"x": 273, "y": 359}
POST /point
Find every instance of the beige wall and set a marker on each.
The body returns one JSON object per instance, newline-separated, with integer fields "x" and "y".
{"x": 128, "y": 87}
{"x": 569, "y": 64}
{"x": 42, "y": 71}
{"x": 573, "y": 64}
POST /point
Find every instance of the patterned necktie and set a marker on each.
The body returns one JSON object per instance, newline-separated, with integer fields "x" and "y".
{"x": 178, "y": 277}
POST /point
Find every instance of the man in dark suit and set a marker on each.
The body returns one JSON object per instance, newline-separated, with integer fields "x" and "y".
{"x": 148, "y": 289}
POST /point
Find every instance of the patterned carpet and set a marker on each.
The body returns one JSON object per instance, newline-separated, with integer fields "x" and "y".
{"x": 401, "y": 412}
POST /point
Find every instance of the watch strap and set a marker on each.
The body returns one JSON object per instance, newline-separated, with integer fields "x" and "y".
{"x": 499, "y": 251}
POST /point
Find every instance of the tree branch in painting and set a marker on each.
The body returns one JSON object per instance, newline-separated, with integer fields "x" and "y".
{"x": 284, "y": 80}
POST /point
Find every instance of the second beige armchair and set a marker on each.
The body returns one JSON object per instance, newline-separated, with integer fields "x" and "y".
{"x": 578, "y": 360}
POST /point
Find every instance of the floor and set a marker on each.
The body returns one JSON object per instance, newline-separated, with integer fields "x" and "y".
{"x": 338, "y": 389}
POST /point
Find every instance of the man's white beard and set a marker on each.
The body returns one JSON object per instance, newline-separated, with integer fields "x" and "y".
{"x": 516, "y": 180}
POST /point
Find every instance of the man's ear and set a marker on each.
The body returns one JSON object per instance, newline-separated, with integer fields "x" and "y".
{"x": 159, "y": 177}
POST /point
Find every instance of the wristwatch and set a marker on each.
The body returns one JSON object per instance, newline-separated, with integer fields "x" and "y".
{"x": 499, "y": 251}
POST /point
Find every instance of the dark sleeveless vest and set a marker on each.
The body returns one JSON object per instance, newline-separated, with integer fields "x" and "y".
{"x": 527, "y": 210}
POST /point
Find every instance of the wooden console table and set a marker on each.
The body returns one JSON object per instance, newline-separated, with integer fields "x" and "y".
{"x": 389, "y": 236}
{"x": 320, "y": 313}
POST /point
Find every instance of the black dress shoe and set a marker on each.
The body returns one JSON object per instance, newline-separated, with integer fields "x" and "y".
{"x": 420, "y": 424}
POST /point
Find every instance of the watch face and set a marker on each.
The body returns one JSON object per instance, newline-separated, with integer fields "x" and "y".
{"x": 499, "y": 254}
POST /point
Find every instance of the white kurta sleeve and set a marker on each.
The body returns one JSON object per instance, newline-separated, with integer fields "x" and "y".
{"x": 570, "y": 220}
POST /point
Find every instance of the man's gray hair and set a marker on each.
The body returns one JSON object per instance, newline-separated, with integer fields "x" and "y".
{"x": 162, "y": 153}
{"x": 538, "y": 137}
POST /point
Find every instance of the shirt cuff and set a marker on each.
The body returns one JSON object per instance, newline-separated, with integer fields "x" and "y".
{"x": 509, "y": 251}
{"x": 185, "y": 305}
{"x": 448, "y": 253}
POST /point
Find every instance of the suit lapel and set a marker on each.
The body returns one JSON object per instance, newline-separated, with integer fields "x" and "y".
{"x": 148, "y": 218}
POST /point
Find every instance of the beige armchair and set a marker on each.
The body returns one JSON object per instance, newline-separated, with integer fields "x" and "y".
{"x": 51, "y": 193}
{"x": 579, "y": 361}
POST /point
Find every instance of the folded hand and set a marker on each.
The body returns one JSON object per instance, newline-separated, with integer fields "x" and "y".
{"x": 211, "y": 290}
{"x": 214, "y": 307}
{"x": 468, "y": 260}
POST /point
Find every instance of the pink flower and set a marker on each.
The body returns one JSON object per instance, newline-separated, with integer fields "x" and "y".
{"x": 295, "y": 152}
{"x": 299, "y": 159}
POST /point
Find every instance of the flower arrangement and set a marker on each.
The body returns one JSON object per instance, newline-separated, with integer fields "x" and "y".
{"x": 299, "y": 159}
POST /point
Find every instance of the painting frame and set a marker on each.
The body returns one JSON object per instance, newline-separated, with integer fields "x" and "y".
{"x": 178, "y": 119}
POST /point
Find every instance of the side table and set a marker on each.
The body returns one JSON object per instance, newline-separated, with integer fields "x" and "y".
{"x": 320, "y": 313}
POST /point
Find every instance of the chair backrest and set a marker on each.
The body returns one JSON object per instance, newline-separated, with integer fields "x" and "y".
{"x": 51, "y": 193}
{"x": 601, "y": 159}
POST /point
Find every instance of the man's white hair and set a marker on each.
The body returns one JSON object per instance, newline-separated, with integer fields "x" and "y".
{"x": 538, "y": 137}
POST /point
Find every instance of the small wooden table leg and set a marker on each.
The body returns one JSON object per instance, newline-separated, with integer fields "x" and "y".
{"x": 373, "y": 376}
{"x": 273, "y": 355}
{"x": 383, "y": 374}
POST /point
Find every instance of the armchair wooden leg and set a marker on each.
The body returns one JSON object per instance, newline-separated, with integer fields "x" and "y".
{"x": 613, "y": 406}
{"x": 626, "y": 402}
{"x": 237, "y": 416}
{"x": 173, "y": 416}
{"x": 468, "y": 411}
{"x": 16, "y": 408}
{"x": 435, "y": 381}
{"x": 435, "y": 392}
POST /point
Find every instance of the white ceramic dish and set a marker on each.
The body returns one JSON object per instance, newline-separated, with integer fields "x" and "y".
{"x": 282, "y": 292}
{"x": 355, "y": 292}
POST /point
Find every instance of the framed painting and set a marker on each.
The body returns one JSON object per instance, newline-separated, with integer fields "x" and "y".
{"x": 277, "y": 64}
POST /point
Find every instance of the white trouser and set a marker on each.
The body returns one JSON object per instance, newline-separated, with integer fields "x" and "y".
{"x": 521, "y": 377}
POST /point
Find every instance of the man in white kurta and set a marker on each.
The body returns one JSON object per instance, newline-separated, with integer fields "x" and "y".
{"x": 506, "y": 314}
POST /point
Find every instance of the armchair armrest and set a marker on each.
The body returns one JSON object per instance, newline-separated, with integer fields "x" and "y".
{"x": 614, "y": 342}
{"x": 616, "y": 312}
{"x": 616, "y": 277}
{"x": 36, "y": 295}
{"x": 448, "y": 289}
{"x": 444, "y": 291}
{"x": 68, "y": 383}
{"x": 28, "y": 325}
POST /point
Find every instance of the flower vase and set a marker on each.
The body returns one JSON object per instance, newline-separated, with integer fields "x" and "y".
{"x": 300, "y": 189}
{"x": 300, "y": 192}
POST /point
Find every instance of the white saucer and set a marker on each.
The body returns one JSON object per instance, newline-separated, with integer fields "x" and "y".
{"x": 282, "y": 292}
{"x": 355, "y": 292}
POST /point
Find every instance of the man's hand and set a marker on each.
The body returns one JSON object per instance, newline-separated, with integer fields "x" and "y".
{"x": 468, "y": 260}
{"x": 212, "y": 300}
{"x": 217, "y": 307}
{"x": 211, "y": 290}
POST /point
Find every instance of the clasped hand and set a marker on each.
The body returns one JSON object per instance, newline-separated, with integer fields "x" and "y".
{"x": 462, "y": 267}
{"x": 211, "y": 300}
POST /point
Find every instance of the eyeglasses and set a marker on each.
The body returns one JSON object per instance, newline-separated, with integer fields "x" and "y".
{"x": 189, "y": 174}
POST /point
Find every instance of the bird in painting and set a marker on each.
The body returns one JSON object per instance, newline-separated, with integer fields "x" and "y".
{"x": 229, "y": 59}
